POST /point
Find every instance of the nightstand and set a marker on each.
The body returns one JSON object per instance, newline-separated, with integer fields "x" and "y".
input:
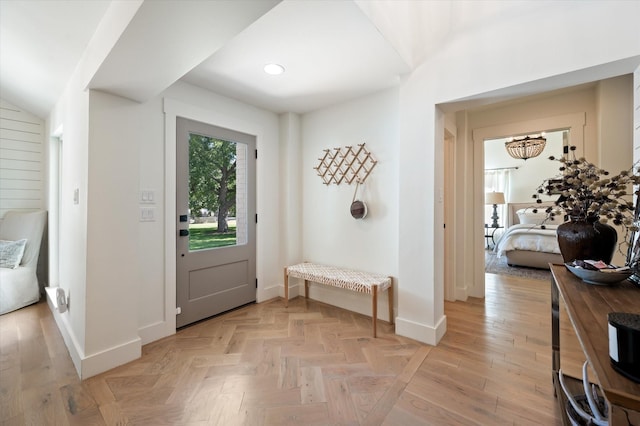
{"x": 489, "y": 231}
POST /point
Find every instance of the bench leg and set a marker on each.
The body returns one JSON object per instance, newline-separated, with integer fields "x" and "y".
{"x": 306, "y": 289}
{"x": 286, "y": 288}
{"x": 374, "y": 316}
{"x": 390, "y": 294}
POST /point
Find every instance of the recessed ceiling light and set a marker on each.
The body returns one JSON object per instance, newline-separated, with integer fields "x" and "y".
{"x": 274, "y": 69}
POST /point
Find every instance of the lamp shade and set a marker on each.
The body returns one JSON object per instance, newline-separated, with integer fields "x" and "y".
{"x": 494, "y": 198}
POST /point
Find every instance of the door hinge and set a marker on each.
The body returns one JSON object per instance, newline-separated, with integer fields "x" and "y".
{"x": 256, "y": 154}
{"x": 256, "y": 217}
{"x": 256, "y": 283}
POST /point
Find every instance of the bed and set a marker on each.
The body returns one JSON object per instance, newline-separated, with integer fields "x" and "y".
{"x": 525, "y": 242}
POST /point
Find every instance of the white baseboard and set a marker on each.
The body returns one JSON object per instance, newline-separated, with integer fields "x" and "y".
{"x": 156, "y": 331}
{"x": 111, "y": 358}
{"x": 422, "y": 332}
{"x": 350, "y": 300}
{"x": 278, "y": 291}
{"x": 87, "y": 366}
{"x": 461, "y": 294}
{"x": 75, "y": 351}
{"x": 269, "y": 293}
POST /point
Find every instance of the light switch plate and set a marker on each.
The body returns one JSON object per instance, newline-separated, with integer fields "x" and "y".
{"x": 147, "y": 214}
{"x": 147, "y": 196}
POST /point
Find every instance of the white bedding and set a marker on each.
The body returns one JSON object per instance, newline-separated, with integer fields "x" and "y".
{"x": 528, "y": 237}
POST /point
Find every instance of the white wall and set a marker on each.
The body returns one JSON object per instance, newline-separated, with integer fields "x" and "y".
{"x": 117, "y": 237}
{"x": 22, "y": 160}
{"x": 540, "y": 108}
{"x": 615, "y": 136}
{"x": 403, "y": 236}
{"x": 615, "y": 123}
{"x": 121, "y": 296}
{"x": 291, "y": 189}
{"x": 330, "y": 234}
{"x": 72, "y": 113}
{"x": 544, "y": 109}
{"x": 586, "y": 42}
{"x": 23, "y": 169}
{"x": 113, "y": 264}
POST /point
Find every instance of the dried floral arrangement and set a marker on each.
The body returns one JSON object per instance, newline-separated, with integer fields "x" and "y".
{"x": 589, "y": 193}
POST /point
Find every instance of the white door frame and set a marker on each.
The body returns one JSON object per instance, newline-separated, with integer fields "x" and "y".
{"x": 449, "y": 217}
{"x": 575, "y": 122}
{"x": 54, "y": 203}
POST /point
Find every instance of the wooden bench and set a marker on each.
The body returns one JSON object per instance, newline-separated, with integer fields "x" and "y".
{"x": 362, "y": 282}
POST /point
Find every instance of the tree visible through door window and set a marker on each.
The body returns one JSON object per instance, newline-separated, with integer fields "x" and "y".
{"x": 216, "y": 169}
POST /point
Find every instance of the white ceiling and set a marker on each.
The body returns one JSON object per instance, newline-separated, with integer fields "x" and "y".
{"x": 332, "y": 52}
{"x": 41, "y": 42}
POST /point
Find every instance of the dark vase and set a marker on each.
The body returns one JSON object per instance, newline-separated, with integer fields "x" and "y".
{"x": 583, "y": 239}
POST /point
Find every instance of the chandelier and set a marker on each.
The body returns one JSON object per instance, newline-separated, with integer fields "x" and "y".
{"x": 528, "y": 147}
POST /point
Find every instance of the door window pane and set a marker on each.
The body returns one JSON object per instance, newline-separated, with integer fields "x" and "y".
{"x": 217, "y": 193}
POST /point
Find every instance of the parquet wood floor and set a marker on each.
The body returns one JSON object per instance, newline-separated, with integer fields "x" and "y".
{"x": 308, "y": 364}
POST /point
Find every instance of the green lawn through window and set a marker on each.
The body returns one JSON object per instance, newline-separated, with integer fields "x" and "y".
{"x": 205, "y": 236}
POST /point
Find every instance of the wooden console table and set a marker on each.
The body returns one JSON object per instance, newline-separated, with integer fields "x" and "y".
{"x": 587, "y": 307}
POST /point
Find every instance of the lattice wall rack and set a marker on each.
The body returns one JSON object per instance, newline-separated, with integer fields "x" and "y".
{"x": 345, "y": 164}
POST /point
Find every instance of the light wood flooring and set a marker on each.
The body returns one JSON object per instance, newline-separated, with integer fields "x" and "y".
{"x": 309, "y": 364}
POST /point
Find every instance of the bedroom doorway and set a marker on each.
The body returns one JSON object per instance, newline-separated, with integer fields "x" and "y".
{"x": 574, "y": 123}
{"x": 518, "y": 180}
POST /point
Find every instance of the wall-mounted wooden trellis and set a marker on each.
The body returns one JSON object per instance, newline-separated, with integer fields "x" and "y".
{"x": 347, "y": 164}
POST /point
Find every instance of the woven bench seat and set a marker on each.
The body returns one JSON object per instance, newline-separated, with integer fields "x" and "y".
{"x": 349, "y": 279}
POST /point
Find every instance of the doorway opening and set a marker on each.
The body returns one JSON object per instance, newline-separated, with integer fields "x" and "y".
{"x": 509, "y": 185}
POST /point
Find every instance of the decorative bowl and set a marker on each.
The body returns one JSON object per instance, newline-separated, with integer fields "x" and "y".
{"x": 596, "y": 277}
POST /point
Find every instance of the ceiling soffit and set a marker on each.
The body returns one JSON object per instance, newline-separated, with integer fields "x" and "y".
{"x": 165, "y": 40}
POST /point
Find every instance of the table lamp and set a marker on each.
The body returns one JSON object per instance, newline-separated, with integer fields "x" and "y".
{"x": 494, "y": 198}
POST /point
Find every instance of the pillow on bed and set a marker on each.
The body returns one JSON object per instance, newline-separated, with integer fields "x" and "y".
{"x": 11, "y": 253}
{"x": 528, "y": 217}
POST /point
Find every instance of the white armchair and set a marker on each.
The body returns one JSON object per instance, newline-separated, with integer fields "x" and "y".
{"x": 19, "y": 286}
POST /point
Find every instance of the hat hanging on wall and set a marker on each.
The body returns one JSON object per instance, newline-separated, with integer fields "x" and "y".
{"x": 358, "y": 208}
